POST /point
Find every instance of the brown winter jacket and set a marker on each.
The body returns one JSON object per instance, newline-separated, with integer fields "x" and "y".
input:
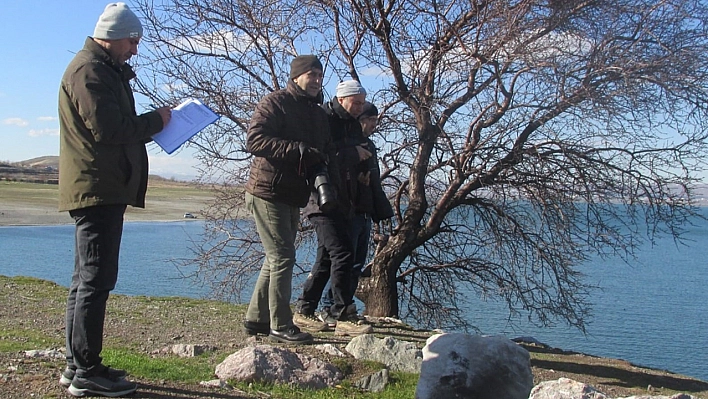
{"x": 282, "y": 120}
{"x": 102, "y": 156}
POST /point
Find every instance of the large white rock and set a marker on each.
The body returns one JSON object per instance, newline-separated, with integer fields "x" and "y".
{"x": 276, "y": 365}
{"x": 396, "y": 355}
{"x": 474, "y": 367}
{"x": 565, "y": 388}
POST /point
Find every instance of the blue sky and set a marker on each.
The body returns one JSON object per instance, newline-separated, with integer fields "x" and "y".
{"x": 41, "y": 38}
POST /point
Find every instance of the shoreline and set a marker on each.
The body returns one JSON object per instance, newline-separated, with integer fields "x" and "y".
{"x": 37, "y": 205}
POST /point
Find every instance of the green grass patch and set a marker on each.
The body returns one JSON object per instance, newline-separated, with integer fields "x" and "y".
{"x": 15, "y": 340}
{"x": 401, "y": 386}
{"x": 188, "y": 370}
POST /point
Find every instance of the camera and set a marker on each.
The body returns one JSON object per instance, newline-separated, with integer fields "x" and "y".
{"x": 318, "y": 176}
{"x": 326, "y": 196}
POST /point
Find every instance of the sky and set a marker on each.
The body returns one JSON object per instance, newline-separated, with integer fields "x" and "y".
{"x": 41, "y": 38}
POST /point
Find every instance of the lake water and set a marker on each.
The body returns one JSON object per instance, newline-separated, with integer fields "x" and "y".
{"x": 653, "y": 313}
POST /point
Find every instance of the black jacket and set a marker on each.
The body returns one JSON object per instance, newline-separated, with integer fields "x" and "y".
{"x": 354, "y": 197}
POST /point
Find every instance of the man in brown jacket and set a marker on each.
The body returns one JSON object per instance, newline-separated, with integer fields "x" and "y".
{"x": 102, "y": 168}
{"x": 289, "y": 138}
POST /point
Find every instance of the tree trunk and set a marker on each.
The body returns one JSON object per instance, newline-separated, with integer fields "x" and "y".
{"x": 379, "y": 292}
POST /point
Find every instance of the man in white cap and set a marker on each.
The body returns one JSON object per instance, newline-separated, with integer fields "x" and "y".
{"x": 335, "y": 253}
{"x": 103, "y": 168}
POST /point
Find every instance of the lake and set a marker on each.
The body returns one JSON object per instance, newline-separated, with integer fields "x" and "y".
{"x": 652, "y": 313}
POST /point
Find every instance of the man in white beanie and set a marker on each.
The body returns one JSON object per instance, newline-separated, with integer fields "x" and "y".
{"x": 103, "y": 168}
{"x": 335, "y": 253}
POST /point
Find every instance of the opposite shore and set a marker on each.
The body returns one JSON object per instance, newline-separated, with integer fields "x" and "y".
{"x": 28, "y": 204}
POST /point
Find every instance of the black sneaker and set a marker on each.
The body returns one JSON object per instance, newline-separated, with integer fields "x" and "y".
{"x": 68, "y": 375}
{"x": 254, "y": 327}
{"x": 291, "y": 335}
{"x": 101, "y": 384}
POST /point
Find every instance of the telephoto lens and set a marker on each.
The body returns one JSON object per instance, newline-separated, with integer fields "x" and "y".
{"x": 326, "y": 197}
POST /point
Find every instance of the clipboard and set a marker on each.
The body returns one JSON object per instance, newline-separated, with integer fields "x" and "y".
{"x": 188, "y": 119}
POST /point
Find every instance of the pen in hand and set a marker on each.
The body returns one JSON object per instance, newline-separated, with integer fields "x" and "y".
{"x": 165, "y": 113}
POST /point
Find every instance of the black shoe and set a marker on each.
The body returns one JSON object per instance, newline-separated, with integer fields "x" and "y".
{"x": 101, "y": 384}
{"x": 68, "y": 375}
{"x": 291, "y": 335}
{"x": 254, "y": 327}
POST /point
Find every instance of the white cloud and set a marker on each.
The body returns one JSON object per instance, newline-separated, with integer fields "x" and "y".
{"x": 47, "y": 118}
{"x": 43, "y": 132}
{"x": 15, "y": 121}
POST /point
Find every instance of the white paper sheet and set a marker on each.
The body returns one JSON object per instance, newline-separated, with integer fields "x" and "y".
{"x": 188, "y": 119}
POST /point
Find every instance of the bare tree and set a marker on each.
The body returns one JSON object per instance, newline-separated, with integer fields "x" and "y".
{"x": 518, "y": 138}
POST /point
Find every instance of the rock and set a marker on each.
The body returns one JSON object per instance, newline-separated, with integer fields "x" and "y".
{"x": 330, "y": 350}
{"x": 50, "y": 353}
{"x": 396, "y": 355}
{"x": 565, "y": 388}
{"x": 216, "y": 384}
{"x": 474, "y": 367}
{"x": 270, "y": 364}
{"x": 375, "y": 382}
{"x": 189, "y": 350}
{"x": 677, "y": 396}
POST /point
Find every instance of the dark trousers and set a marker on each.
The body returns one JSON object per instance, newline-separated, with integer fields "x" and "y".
{"x": 360, "y": 232}
{"x": 98, "y": 234}
{"x": 334, "y": 262}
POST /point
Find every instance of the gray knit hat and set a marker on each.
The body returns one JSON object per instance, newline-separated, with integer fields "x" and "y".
{"x": 349, "y": 88}
{"x": 117, "y": 22}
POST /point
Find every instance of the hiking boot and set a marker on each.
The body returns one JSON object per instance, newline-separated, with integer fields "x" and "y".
{"x": 325, "y": 317}
{"x": 351, "y": 314}
{"x": 101, "y": 384}
{"x": 309, "y": 322}
{"x": 291, "y": 335}
{"x": 68, "y": 375}
{"x": 255, "y": 327}
{"x": 351, "y": 328}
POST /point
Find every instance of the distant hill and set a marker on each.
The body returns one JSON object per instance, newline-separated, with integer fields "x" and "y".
{"x": 41, "y": 162}
{"x": 46, "y": 170}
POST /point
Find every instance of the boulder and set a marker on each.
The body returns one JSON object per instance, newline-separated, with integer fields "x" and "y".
{"x": 565, "y": 388}
{"x": 474, "y": 367}
{"x": 270, "y": 364}
{"x": 396, "y": 355}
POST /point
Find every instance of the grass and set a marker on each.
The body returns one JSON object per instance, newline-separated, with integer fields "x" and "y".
{"x": 23, "y": 339}
{"x": 31, "y": 194}
{"x": 187, "y": 370}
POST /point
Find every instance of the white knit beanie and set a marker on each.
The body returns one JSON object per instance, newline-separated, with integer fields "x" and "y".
{"x": 349, "y": 88}
{"x": 117, "y": 22}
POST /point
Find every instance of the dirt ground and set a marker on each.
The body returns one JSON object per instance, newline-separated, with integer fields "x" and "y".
{"x": 35, "y": 308}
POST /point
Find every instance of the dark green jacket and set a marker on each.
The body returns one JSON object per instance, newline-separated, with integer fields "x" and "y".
{"x": 102, "y": 156}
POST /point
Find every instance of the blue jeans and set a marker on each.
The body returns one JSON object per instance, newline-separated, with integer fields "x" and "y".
{"x": 360, "y": 231}
{"x": 98, "y": 234}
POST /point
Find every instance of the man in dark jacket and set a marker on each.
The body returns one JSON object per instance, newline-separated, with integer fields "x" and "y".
{"x": 103, "y": 167}
{"x": 335, "y": 254}
{"x": 289, "y": 137}
{"x": 369, "y": 201}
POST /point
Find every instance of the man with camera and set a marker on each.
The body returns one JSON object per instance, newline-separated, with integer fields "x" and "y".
{"x": 370, "y": 202}
{"x": 335, "y": 252}
{"x": 290, "y": 140}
